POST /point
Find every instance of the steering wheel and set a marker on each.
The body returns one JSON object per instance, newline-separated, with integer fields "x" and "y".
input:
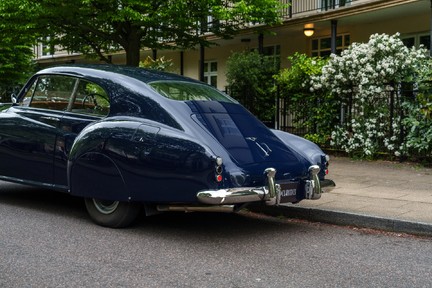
{"x": 90, "y": 99}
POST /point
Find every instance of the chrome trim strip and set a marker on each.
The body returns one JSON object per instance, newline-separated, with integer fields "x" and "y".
{"x": 60, "y": 188}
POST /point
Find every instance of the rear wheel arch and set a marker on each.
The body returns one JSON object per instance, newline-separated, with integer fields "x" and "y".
{"x": 94, "y": 174}
{"x": 96, "y": 178}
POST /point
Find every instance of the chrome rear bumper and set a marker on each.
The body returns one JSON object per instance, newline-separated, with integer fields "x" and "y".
{"x": 270, "y": 193}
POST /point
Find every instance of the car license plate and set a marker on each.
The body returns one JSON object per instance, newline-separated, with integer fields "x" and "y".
{"x": 288, "y": 192}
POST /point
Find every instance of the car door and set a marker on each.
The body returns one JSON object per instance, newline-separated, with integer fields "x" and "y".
{"x": 28, "y": 131}
{"x": 89, "y": 103}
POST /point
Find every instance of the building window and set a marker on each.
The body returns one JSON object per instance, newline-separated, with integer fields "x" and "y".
{"x": 322, "y": 46}
{"x": 47, "y": 49}
{"x": 210, "y": 73}
{"x": 272, "y": 52}
{"x": 417, "y": 40}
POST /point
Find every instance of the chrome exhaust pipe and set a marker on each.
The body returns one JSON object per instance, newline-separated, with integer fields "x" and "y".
{"x": 185, "y": 208}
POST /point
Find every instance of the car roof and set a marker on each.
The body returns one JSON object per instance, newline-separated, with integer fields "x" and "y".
{"x": 108, "y": 71}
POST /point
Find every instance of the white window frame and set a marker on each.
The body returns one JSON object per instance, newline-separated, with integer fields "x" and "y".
{"x": 209, "y": 74}
{"x": 416, "y": 37}
{"x": 46, "y": 47}
{"x": 320, "y": 50}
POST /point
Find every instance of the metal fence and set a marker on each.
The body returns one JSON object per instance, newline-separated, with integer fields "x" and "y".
{"x": 300, "y": 117}
{"x": 295, "y": 117}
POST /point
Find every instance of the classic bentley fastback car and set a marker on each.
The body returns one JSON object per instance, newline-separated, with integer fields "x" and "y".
{"x": 127, "y": 139}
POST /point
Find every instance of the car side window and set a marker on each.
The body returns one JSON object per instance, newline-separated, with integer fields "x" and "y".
{"x": 89, "y": 98}
{"x": 28, "y": 95}
{"x": 52, "y": 92}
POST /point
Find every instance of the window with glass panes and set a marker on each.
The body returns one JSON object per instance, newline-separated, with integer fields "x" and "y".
{"x": 417, "y": 40}
{"x": 274, "y": 53}
{"x": 210, "y": 73}
{"x": 47, "y": 49}
{"x": 322, "y": 46}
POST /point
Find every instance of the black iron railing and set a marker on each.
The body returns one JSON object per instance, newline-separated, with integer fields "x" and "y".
{"x": 295, "y": 7}
{"x": 297, "y": 117}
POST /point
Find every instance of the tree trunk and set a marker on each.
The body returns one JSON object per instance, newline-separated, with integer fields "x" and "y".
{"x": 133, "y": 50}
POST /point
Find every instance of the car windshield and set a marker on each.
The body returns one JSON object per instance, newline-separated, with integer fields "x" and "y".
{"x": 187, "y": 91}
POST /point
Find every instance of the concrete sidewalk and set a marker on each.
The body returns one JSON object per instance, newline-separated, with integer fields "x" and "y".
{"x": 377, "y": 194}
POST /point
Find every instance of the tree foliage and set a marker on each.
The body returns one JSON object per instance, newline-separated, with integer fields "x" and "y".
{"x": 160, "y": 64}
{"x": 250, "y": 78}
{"x": 98, "y": 27}
{"x": 15, "y": 54}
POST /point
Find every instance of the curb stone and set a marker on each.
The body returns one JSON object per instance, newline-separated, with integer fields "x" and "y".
{"x": 346, "y": 219}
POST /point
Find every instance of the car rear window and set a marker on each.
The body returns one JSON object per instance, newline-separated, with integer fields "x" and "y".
{"x": 187, "y": 91}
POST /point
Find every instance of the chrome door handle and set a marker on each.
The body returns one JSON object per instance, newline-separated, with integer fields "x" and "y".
{"x": 50, "y": 118}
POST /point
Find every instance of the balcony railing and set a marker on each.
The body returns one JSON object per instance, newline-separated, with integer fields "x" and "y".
{"x": 297, "y": 7}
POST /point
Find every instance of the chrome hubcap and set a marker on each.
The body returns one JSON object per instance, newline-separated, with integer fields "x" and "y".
{"x": 105, "y": 206}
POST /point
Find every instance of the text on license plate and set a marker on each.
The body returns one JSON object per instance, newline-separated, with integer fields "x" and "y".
{"x": 288, "y": 192}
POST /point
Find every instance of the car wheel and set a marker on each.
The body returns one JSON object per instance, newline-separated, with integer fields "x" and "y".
{"x": 113, "y": 214}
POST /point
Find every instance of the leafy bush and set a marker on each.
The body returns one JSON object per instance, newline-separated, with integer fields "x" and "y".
{"x": 316, "y": 111}
{"x": 250, "y": 80}
{"x": 159, "y": 64}
{"x": 418, "y": 123}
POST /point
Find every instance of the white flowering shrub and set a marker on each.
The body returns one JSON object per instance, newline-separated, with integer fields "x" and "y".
{"x": 364, "y": 77}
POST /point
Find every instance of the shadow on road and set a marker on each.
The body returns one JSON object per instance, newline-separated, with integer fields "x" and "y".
{"x": 242, "y": 224}
{"x": 40, "y": 199}
{"x": 215, "y": 226}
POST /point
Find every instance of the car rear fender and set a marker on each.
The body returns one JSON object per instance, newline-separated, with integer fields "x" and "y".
{"x": 95, "y": 175}
{"x": 92, "y": 166}
{"x": 306, "y": 148}
{"x": 168, "y": 165}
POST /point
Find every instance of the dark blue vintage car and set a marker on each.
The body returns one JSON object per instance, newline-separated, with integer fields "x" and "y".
{"x": 127, "y": 139}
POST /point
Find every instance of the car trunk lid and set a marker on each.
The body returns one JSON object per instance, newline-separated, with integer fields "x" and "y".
{"x": 248, "y": 141}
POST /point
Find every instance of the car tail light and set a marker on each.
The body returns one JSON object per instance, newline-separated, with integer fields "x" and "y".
{"x": 218, "y": 169}
{"x": 327, "y": 163}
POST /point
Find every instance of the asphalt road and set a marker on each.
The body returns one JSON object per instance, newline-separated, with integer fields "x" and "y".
{"x": 47, "y": 240}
